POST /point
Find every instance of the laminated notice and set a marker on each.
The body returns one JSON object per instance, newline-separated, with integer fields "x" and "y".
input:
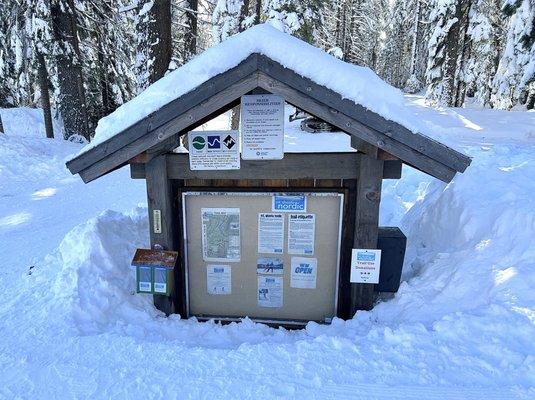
{"x": 270, "y": 291}
{"x": 221, "y": 234}
{"x": 270, "y": 233}
{"x": 304, "y": 273}
{"x": 301, "y": 234}
{"x": 218, "y": 279}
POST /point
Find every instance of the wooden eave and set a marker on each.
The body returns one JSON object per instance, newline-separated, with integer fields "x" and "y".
{"x": 159, "y": 131}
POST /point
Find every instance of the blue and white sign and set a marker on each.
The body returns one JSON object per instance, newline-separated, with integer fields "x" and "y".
{"x": 365, "y": 266}
{"x": 304, "y": 273}
{"x": 286, "y": 203}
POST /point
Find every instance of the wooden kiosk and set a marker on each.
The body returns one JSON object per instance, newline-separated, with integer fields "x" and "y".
{"x": 343, "y": 190}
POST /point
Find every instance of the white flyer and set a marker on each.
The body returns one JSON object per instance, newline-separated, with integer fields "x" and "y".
{"x": 270, "y": 233}
{"x": 301, "y": 234}
{"x": 221, "y": 234}
{"x": 218, "y": 279}
{"x": 262, "y": 127}
{"x": 269, "y": 266}
{"x": 211, "y": 150}
{"x": 304, "y": 273}
{"x": 270, "y": 291}
{"x": 365, "y": 266}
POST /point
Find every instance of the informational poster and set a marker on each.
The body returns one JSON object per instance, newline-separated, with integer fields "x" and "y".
{"x": 285, "y": 203}
{"x": 262, "y": 127}
{"x": 270, "y": 291}
{"x": 221, "y": 234}
{"x": 270, "y": 233}
{"x": 365, "y": 266}
{"x": 301, "y": 234}
{"x": 304, "y": 273}
{"x": 269, "y": 266}
{"x": 218, "y": 279}
{"x": 211, "y": 150}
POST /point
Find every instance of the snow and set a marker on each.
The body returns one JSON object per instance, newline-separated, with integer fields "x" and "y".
{"x": 353, "y": 82}
{"x": 460, "y": 327}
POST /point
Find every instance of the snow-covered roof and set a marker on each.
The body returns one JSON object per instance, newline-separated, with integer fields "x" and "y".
{"x": 372, "y": 110}
{"x": 359, "y": 84}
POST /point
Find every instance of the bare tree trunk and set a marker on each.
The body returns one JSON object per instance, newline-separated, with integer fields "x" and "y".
{"x": 258, "y": 11}
{"x": 190, "y": 39}
{"x": 71, "y": 100}
{"x": 154, "y": 40}
{"x": 45, "y": 96}
{"x": 1, "y": 125}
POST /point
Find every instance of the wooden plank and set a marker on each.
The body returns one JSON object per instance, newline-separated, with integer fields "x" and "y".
{"x": 292, "y": 166}
{"x": 330, "y": 98}
{"x": 366, "y": 224}
{"x": 180, "y": 123}
{"x": 168, "y": 112}
{"x": 354, "y": 127}
{"x": 160, "y": 198}
{"x": 392, "y": 170}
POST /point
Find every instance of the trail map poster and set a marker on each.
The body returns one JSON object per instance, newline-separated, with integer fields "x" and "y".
{"x": 221, "y": 234}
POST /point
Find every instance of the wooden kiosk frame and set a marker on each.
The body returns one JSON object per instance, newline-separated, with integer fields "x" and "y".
{"x": 382, "y": 147}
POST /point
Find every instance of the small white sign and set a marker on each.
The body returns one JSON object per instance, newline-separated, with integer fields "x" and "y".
{"x": 262, "y": 127}
{"x": 213, "y": 150}
{"x": 270, "y": 292}
{"x": 270, "y": 233}
{"x": 218, "y": 279}
{"x": 301, "y": 234}
{"x": 160, "y": 280}
{"x": 304, "y": 273}
{"x": 365, "y": 266}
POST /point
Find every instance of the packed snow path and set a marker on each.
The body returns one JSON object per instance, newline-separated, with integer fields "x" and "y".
{"x": 461, "y": 326}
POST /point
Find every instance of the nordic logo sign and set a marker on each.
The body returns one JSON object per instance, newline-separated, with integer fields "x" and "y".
{"x": 289, "y": 203}
{"x": 365, "y": 256}
{"x": 198, "y": 142}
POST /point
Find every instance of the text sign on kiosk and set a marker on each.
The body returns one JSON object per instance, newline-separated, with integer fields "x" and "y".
{"x": 262, "y": 127}
{"x": 212, "y": 150}
{"x": 289, "y": 203}
{"x": 365, "y": 266}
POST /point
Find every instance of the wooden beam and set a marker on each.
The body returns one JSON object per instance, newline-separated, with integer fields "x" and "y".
{"x": 160, "y": 199}
{"x": 366, "y": 224}
{"x": 166, "y": 113}
{"x": 292, "y": 166}
{"x": 421, "y": 143}
{"x": 355, "y": 128}
{"x": 180, "y": 123}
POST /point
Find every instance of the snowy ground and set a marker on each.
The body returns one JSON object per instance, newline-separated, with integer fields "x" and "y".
{"x": 460, "y": 327}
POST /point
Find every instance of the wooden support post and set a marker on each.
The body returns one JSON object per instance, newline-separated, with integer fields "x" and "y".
{"x": 161, "y": 217}
{"x": 366, "y": 224}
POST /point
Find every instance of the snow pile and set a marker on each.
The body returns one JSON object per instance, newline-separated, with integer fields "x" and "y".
{"x": 26, "y": 121}
{"x": 359, "y": 84}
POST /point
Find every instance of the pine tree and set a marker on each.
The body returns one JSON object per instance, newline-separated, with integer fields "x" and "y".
{"x": 514, "y": 83}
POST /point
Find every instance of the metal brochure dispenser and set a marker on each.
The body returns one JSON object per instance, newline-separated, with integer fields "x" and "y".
{"x": 155, "y": 271}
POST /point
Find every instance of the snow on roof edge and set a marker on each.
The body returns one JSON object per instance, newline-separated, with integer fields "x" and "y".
{"x": 358, "y": 84}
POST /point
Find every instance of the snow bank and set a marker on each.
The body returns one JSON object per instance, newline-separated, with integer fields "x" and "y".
{"x": 26, "y": 121}
{"x": 353, "y": 82}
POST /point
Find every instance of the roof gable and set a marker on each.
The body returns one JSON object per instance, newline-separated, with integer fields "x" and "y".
{"x": 160, "y": 128}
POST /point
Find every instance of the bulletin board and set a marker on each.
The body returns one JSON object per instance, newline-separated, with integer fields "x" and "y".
{"x": 237, "y": 294}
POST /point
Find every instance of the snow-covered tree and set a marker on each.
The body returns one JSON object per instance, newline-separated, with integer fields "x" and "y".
{"x": 514, "y": 83}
